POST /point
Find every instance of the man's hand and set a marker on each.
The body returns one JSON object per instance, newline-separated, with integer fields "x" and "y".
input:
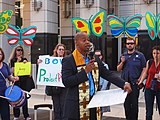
{"x": 127, "y": 87}
{"x": 122, "y": 59}
{"x": 90, "y": 66}
{"x": 39, "y": 61}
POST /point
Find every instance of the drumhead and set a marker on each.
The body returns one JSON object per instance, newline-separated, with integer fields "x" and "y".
{"x": 15, "y": 94}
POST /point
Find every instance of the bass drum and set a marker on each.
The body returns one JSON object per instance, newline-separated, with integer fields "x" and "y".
{"x": 17, "y": 98}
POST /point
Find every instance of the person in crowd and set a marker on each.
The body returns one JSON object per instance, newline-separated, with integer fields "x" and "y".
{"x": 17, "y": 55}
{"x": 4, "y": 73}
{"x": 80, "y": 77}
{"x": 152, "y": 88}
{"x": 58, "y": 99}
{"x": 132, "y": 63}
{"x": 67, "y": 52}
{"x": 57, "y": 93}
{"x": 104, "y": 84}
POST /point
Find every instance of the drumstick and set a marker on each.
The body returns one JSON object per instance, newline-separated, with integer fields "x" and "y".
{"x": 11, "y": 89}
{"x": 12, "y": 85}
{"x": 5, "y": 97}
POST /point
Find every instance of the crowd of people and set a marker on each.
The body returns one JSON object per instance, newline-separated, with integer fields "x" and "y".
{"x": 83, "y": 74}
{"x": 135, "y": 70}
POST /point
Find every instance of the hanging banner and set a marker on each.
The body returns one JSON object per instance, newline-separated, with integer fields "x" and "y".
{"x": 153, "y": 25}
{"x": 22, "y": 36}
{"x": 95, "y": 24}
{"x": 5, "y": 18}
{"x": 128, "y": 25}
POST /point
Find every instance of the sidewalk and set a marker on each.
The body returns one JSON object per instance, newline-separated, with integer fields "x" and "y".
{"x": 38, "y": 98}
{"x": 117, "y": 111}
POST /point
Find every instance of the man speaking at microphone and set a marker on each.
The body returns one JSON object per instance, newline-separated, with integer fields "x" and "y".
{"x": 80, "y": 75}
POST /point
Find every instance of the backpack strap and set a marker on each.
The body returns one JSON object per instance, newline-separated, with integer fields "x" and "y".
{"x": 150, "y": 63}
{"x": 129, "y": 59}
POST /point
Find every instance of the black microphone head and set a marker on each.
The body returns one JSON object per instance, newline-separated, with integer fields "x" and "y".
{"x": 91, "y": 51}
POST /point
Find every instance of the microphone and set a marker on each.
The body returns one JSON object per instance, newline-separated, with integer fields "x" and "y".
{"x": 91, "y": 50}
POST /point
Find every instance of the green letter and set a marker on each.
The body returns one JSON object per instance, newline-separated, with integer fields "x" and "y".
{"x": 42, "y": 73}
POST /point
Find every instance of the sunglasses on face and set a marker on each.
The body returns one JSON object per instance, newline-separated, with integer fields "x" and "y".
{"x": 19, "y": 50}
{"x": 61, "y": 49}
{"x": 129, "y": 43}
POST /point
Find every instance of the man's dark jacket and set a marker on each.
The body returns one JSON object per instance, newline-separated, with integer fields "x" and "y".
{"x": 72, "y": 78}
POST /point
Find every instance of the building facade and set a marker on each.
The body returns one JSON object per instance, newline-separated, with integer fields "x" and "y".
{"x": 52, "y": 18}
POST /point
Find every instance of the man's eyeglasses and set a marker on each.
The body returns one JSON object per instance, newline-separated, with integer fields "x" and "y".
{"x": 61, "y": 49}
{"x": 129, "y": 43}
{"x": 19, "y": 50}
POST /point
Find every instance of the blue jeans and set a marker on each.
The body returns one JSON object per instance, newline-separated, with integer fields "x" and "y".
{"x": 4, "y": 109}
{"x": 149, "y": 101}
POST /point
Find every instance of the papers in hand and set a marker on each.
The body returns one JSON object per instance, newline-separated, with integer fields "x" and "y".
{"x": 107, "y": 98}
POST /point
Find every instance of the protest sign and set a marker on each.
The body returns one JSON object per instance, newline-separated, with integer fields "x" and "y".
{"x": 49, "y": 71}
{"x": 21, "y": 68}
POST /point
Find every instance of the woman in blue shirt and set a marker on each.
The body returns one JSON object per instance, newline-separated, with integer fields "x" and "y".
{"x": 4, "y": 73}
{"x": 18, "y": 56}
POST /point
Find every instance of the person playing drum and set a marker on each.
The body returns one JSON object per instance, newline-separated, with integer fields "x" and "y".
{"x": 17, "y": 55}
{"x": 4, "y": 73}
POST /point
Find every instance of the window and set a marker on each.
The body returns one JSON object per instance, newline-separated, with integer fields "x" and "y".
{"x": 77, "y": 1}
{"x": 18, "y": 14}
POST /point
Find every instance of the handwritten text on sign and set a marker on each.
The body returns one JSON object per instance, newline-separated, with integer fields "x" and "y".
{"x": 21, "y": 68}
{"x": 49, "y": 71}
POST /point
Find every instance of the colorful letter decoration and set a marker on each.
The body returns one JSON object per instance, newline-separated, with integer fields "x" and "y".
{"x": 153, "y": 24}
{"x": 5, "y": 18}
{"x": 95, "y": 25}
{"x": 21, "y": 36}
{"x": 128, "y": 26}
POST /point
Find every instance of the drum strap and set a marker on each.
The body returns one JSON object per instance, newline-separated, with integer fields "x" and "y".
{"x": 2, "y": 75}
{"x": 7, "y": 81}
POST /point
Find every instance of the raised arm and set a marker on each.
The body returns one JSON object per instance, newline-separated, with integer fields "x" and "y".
{"x": 144, "y": 73}
{"x": 121, "y": 64}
